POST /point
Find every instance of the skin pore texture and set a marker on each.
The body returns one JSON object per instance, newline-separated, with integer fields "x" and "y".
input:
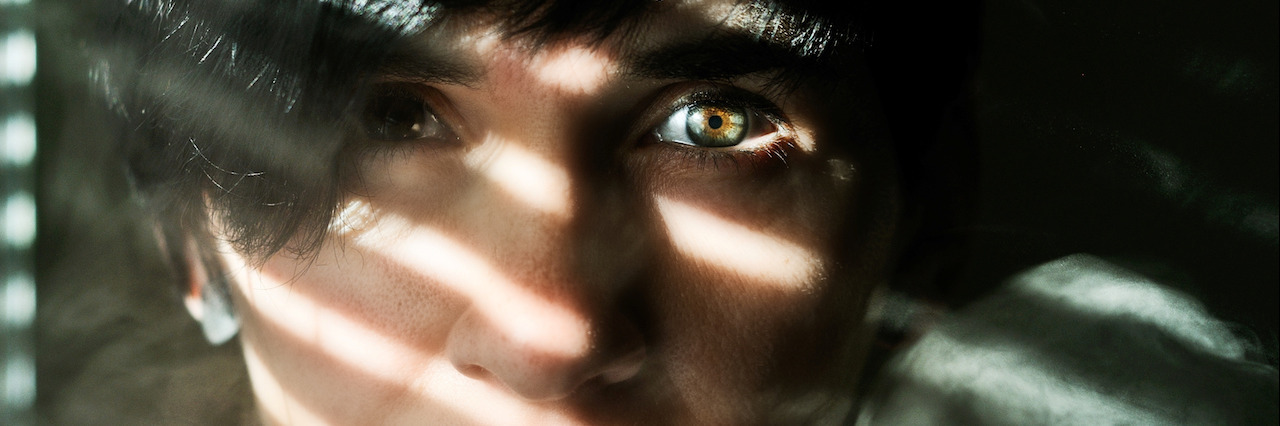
{"x": 535, "y": 254}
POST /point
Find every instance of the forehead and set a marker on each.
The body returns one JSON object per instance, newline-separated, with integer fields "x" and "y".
{"x": 559, "y": 18}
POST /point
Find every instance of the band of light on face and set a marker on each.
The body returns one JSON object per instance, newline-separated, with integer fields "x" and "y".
{"x": 733, "y": 247}
{"x": 323, "y": 328}
{"x": 373, "y": 352}
{"x": 437, "y": 384}
{"x": 539, "y": 184}
{"x": 575, "y": 70}
{"x": 507, "y": 304}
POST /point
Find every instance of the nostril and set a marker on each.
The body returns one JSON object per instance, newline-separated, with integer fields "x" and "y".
{"x": 473, "y": 371}
{"x": 623, "y": 368}
{"x": 532, "y": 358}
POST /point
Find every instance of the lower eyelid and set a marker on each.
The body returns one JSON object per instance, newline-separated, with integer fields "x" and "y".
{"x": 770, "y": 141}
{"x": 381, "y": 151}
{"x": 765, "y": 156}
{"x": 767, "y": 133}
{"x": 440, "y": 120}
{"x": 768, "y": 123}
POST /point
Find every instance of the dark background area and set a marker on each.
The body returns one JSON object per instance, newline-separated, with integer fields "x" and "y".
{"x": 1145, "y": 132}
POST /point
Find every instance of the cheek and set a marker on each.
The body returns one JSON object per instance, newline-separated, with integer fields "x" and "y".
{"x": 746, "y": 279}
{"x": 350, "y": 329}
{"x": 724, "y": 338}
{"x": 777, "y": 231}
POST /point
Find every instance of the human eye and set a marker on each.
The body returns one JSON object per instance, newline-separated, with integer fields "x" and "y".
{"x": 396, "y": 113}
{"x": 720, "y": 122}
{"x": 710, "y": 125}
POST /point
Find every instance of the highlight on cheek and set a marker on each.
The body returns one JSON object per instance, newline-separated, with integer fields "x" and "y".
{"x": 291, "y": 323}
{"x": 333, "y": 332}
{"x": 279, "y": 406}
{"x": 504, "y": 302}
{"x": 737, "y": 248}
{"x": 541, "y": 185}
{"x": 316, "y": 337}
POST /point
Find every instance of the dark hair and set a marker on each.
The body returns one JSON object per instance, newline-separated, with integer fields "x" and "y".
{"x": 205, "y": 84}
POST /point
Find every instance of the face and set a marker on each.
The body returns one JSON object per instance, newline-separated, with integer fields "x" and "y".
{"x": 572, "y": 232}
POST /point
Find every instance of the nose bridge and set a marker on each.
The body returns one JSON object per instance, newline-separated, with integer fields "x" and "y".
{"x": 556, "y": 327}
{"x": 543, "y": 201}
{"x": 545, "y": 156}
{"x": 543, "y": 98}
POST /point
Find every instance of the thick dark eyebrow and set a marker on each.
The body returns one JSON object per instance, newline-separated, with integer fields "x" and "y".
{"x": 720, "y": 56}
{"x": 426, "y": 65}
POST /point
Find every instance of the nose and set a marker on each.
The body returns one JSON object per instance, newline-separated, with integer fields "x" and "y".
{"x": 542, "y": 350}
{"x": 558, "y": 224}
{"x": 550, "y": 327}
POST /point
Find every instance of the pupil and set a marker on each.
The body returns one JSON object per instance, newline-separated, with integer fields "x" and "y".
{"x": 403, "y": 113}
{"x": 395, "y": 118}
{"x": 715, "y": 121}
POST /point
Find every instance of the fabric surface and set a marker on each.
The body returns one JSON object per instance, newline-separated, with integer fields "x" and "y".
{"x": 1077, "y": 341}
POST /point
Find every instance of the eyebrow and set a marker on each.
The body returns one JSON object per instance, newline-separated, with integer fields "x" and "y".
{"x": 720, "y": 56}
{"x": 431, "y": 66}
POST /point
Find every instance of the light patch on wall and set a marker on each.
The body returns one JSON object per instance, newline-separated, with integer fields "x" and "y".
{"x": 19, "y": 300}
{"x": 18, "y": 58}
{"x": 19, "y": 381}
{"x": 19, "y": 220}
{"x": 18, "y": 140}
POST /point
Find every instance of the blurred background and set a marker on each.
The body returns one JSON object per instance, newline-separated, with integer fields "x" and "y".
{"x": 1145, "y": 132}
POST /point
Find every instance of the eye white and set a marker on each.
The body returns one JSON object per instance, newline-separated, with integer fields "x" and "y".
{"x": 675, "y": 129}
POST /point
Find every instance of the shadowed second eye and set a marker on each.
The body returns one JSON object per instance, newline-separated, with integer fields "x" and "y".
{"x": 399, "y": 115}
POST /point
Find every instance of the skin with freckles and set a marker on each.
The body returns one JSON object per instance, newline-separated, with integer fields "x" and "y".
{"x": 539, "y": 244}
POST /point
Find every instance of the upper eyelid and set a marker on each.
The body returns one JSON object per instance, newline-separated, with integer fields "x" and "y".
{"x": 436, "y": 102}
{"x": 737, "y": 97}
{"x": 654, "y": 109}
{"x": 416, "y": 93}
{"x": 398, "y": 88}
{"x": 666, "y": 101}
{"x": 717, "y": 93}
{"x": 398, "y": 91}
{"x": 733, "y": 98}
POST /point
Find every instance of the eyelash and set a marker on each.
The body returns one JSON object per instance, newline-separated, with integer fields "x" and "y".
{"x": 772, "y": 155}
{"x": 765, "y": 153}
{"x": 760, "y": 154}
{"x": 375, "y": 148}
